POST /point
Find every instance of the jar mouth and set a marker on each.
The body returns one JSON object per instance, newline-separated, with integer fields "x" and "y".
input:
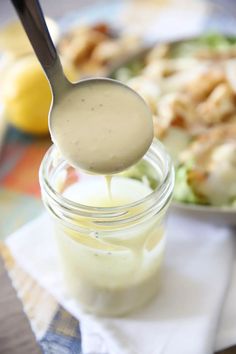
{"x": 158, "y": 198}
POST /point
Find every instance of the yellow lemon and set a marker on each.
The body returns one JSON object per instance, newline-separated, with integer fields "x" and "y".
{"x": 26, "y": 96}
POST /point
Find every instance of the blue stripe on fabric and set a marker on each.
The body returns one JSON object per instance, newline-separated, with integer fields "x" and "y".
{"x": 63, "y": 335}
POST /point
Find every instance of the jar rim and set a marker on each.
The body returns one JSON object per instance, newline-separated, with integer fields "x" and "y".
{"x": 162, "y": 193}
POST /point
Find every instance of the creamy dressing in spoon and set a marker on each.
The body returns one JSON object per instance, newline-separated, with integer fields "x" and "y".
{"x": 101, "y": 126}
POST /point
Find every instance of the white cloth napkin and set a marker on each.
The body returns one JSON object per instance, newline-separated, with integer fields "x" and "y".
{"x": 186, "y": 316}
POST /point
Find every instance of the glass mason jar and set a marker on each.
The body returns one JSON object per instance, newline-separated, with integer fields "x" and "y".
{"x": 110, "y": 255}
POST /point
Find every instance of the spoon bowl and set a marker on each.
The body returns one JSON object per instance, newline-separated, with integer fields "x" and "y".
{"x": 101, "y": 125}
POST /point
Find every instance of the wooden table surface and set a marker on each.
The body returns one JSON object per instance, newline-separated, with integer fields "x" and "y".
{"x": 231, "y": 350}
{"x": 16, "y": 336}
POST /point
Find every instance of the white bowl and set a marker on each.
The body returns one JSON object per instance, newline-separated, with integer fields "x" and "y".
{"x": 217, "y": 215}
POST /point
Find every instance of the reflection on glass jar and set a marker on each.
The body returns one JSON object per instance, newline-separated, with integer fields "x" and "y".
{"x": 111, "y": 244}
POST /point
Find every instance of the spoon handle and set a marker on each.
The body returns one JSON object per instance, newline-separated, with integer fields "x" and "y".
{"x": 32, "y": 19}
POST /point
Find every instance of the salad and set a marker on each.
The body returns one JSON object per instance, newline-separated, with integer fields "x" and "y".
{"x": 91, "y": 49}
{"x": 190, "y": 87}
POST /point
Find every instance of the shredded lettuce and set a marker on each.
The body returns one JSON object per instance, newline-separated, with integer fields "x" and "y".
{"x": 211, "y": 41}
{"x": 131, "y": 69}
{"x": 143, "y": 172}
{"x": 183, "y": 191}
{"x": 216, "y": 41}
{"x": 233, "y": 202}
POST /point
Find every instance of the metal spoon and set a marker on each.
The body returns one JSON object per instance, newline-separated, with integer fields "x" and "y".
{"x": 32, "y": 18}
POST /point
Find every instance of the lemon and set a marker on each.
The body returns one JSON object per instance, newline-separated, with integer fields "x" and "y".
{"x": 26, "y": 96}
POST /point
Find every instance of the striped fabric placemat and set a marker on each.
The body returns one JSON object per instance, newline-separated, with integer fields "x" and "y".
{"x": 55, "y": 329}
